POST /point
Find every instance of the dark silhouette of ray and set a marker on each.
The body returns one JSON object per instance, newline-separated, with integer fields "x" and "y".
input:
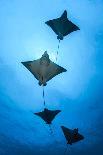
{"x": 48, "y": 115}
{"x": 43, "y": 69}
{"x": 72, "y": 136}
{"x": 62, "y": 26}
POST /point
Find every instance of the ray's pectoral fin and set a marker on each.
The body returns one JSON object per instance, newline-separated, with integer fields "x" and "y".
{"x": 32, "y": 68}
{"x": 27, "y": 64}
{"x": 54, "y": 70}
{"x": 64, "y": 15}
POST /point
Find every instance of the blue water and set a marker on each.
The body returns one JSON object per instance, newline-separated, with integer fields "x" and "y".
{"x": 78, "y": 93}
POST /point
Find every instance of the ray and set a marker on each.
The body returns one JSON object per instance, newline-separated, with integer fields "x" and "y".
{"x": 43, "y": 69}
{"x": 48, "y": 115}
{"x": 62, "y": 26}
{"x": 72, "y": 136}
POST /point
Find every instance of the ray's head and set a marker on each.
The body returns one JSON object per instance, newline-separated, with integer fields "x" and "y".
{"x": 44, "y": 60}
{"x": 60, "y": 36}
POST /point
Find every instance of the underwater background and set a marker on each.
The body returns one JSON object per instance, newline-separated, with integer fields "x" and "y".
{"x": 78, "y": 93}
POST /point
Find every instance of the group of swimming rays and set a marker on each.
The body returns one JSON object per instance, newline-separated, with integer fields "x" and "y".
{"x": 44, "y": 70}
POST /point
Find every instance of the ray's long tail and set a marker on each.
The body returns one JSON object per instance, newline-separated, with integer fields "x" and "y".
{"x": 66, "y": 150}
{"x": 52, "y": 133}
{"x": 43, "y": 96}
{"x": 51, "y": 130}
{"x": 57, "y": 50}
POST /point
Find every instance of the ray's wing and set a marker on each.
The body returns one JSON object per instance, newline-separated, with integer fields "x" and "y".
{"x": 77, "y": 138}
{"x": 42, "y": 115}
{"x": 68, "y": 27}
{"x": 33, "y": 67}
{"x": 39, "y": 114}
{"x": 64, "y": 15}
{"x": 53, "y": 114}
{"x": 67, "y": 133}
{"x": 54, "y": 24}
{"x": 45, "y": 115}
{"x": 53, "y": 70}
